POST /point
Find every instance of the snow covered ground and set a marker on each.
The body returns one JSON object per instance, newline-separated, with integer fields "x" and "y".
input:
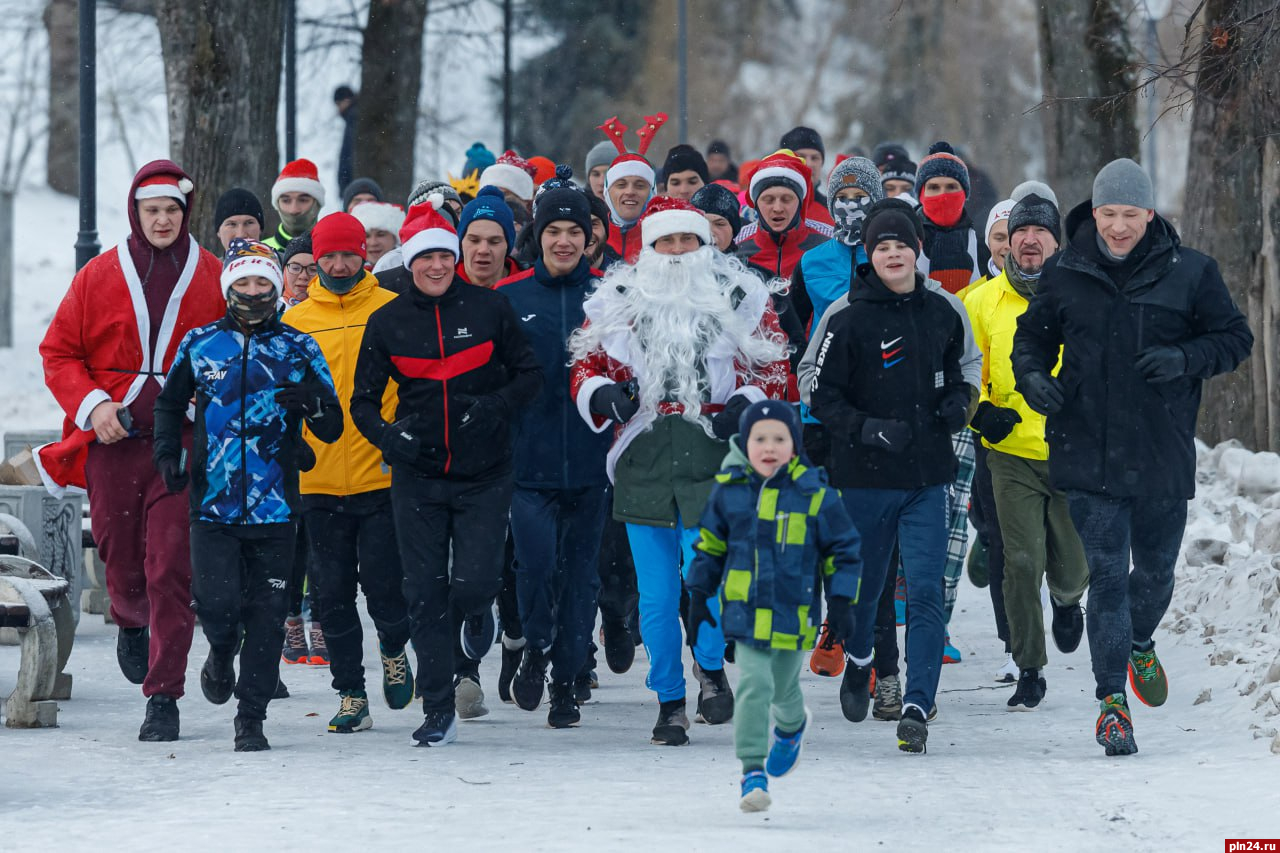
{"x": 992, "y": 780}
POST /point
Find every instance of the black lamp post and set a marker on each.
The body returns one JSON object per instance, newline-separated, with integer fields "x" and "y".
{"x": 290, "y": 80}
{"x": 87, "y": 245}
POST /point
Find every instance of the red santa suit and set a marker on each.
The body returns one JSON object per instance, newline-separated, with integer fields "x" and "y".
{"x": 113, "y": 338}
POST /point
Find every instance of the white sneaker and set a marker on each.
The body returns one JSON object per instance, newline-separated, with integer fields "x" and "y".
{"x": 1007, "y": 674}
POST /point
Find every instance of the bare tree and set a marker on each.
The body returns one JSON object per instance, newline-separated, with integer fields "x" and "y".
{"x": 222, "y": 62}
{"x": 1233, "y": 198}
{"x": 390, "y": 77}
{"x": 62, "y": 153}
{"x": 20, "y": 131}
{"x": 1088, "y": 69}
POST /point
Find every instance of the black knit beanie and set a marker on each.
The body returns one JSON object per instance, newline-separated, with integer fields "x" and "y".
{"x": 716, "y": 199}
{"x": 238, "y": 201}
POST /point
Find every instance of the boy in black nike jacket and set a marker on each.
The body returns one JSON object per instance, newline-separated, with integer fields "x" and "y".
{"x": 889, "y": 387}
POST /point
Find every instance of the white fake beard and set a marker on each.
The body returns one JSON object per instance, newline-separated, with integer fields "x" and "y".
{"x": 678, "y": 306}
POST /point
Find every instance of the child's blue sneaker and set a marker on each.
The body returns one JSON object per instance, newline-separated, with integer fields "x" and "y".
{"x": 950, "y": 654}
{"x": 755, "y": 792}
{"x": 900, "y": 601}
{"x": 784, "y": 749}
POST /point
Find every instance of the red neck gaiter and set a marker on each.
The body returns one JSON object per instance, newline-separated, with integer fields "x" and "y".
{"x": 945, "y": 209}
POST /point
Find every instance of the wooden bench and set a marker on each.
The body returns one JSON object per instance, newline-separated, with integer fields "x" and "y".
{"x": 36, "y": 603}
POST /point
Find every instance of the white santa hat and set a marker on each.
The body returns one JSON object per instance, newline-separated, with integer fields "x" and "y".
{"x": 781, "y": 168}
{"x": 628, "y": 164}
{"x": 425, "y": 230}
{"x": 247, "y": 258}
{"x": 512, "y": 173}
{"x": 299, "y": 176}
{"x": 1001, "y": 211}
{"x": 379, "y": 216}
{"x": 664, "y": 215}
{"x": 165, "y": 186}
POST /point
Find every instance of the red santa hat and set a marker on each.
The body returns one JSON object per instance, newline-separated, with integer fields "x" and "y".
{"x": 300, "y": 176}
{"x": 780, "y": 169}
{"x": 665, "y": 215}
{"x": 425, "y": 230}
{"x": 379, "y": 216}
{"x": 627, "y": 164}
{"x": 512, "y": 173}
{"x": 165, "y": 186}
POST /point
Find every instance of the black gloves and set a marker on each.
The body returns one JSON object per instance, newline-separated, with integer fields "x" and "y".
{"x": 699, "y": 612}
{"x": 886, "y": 434}
{"x": 297, "y": 399}
{"x": 1162, "y": 364}
{"x": 995, "y": 422}
{"x": 399, "y": 444}
{"x": 488, "y": 409}
{"x": 840, "y": 618}
{"x": 725, "y": 424}
{"x": 1042, "y": 392}
{"x": 175, "y": 478}
{"x": 616, "y": 402}
{"x": 953, "y": 409}
{"x": 303, "y": 455}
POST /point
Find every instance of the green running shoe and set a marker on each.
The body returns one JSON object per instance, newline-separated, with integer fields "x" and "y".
{"x": 1147, "y": 679}
{"x": 353, "y": 714}
{"x": 397, "y": 678}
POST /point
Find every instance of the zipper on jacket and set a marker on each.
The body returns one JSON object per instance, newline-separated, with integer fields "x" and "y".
{"x": 444, "y": 394}
{"x": 244, "y": 394}
{"x": 564, "y": 419}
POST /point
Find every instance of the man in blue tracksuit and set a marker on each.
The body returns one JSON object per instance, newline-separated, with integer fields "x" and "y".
{"x": 254, "y": 380}
{"x": 557, "y": 509}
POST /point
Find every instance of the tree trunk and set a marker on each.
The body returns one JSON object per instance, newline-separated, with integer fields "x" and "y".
{"x": 62, "y": 144}
{"x": 1233, "y": 208}
{"x": 390, "y": 77}
{"x": 1087, "y": 64}
{"x": 222, "y": 78}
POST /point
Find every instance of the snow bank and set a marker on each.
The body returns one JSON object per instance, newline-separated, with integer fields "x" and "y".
{"x": 1228, "y": 576}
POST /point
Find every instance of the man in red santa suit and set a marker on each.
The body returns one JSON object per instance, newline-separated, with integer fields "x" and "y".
{"x": 674, "y": 348}
{"x": 106, "y": 355}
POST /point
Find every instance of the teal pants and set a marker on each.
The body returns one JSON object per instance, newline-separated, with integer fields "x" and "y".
{"x": 768, "y": 680}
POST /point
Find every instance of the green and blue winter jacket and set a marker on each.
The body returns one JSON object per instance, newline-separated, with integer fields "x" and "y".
{"x": 769, "y": 546}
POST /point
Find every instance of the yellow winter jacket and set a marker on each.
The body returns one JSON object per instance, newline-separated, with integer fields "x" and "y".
{"x": 993, "y": 310}
{"x": 351, "y": 465}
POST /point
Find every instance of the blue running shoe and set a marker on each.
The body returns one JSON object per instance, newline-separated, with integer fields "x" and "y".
{"x": 950, "y": 654}
{"x": 784, "y": 749}
{"x": 755, "y": 792}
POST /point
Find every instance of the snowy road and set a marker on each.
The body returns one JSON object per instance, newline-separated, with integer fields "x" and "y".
{"x": 991, "y": 780}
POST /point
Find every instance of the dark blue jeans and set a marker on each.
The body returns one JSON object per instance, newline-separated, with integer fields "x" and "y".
{"x": 915, "y": 519}
{"x": 1124, "y": 606}
{"x": 557, "y": 540}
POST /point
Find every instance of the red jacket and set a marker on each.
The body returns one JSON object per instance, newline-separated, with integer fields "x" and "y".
{"x": 626, "y": 243}
{"x": 757, "y": 247}
{"x": 94, "y": 348}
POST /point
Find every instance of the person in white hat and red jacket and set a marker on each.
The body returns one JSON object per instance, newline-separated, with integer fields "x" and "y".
{"x": 297, "y": 195}
{"x": 628, "y": 184}
{"x": 674, "y": 348}
{"x": 464, "y": 370}
{"x": 105, "y": 355}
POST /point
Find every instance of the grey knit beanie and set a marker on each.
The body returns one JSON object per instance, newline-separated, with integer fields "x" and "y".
{"x": 601, "y": 154}
{"x": 425, "y": 188}
{"x": 856, "y": 172}
{"x": 1039, "y": 188}
{"x": 1123, "y": 182}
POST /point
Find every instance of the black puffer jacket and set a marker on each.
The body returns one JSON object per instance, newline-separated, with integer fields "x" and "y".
{"x": 1117, "y": 433}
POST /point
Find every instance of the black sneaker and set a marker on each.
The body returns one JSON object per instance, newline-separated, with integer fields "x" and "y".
{"x": 133, "y": 645}
{"x": 218, "y": 676}
{"x": 715, "y": 699}
{"x": 673, "y": 724}
{"x": 619, "y": 649}
{"x": 479, "y": 633}
{"x": 1068, "y": 626}
{"x": 582, "y": 687}
{"x": 913, "y": 731}
{"x": 512, "y": 652}
{"x": 855, "y": 692}
{"x": 437, "y": 729}
{"x": 564, "y": 707}
{"x": 526, "y": 689}
{"x": 1029, "y": 692}
{"x": 161, "y": 722}
{"x": 249, "y": 737}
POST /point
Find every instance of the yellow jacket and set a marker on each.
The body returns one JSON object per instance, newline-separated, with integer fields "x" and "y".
{"x": 351, "y": 465}
{"x": 993, "y": 310}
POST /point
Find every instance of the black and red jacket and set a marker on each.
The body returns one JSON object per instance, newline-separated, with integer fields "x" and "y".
{"x": 444, "y": 352}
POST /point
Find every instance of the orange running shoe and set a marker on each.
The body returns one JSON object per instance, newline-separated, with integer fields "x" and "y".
{"x": 828, "y": 655}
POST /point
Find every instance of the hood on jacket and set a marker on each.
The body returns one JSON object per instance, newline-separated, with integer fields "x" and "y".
{"x": 1082, "y": 238}
{"x": 868, "y": 287}
{"x": 150, "y": 170}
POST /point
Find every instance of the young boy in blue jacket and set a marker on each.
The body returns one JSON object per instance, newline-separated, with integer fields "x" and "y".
{"x": 772, "y": 531}
{"x": 254, "y": 379}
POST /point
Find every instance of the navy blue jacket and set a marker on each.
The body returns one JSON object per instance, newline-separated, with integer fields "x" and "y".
{"x": 555, "y": 449}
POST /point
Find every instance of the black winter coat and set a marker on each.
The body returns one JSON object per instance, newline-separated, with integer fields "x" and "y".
{"x": 889, "y": 356}
{"x": 444, "y": 352}
{"x": 1118, "y": 434}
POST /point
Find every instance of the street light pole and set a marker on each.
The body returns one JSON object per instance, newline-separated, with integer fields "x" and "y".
{"x": 683, "y": 65}
{"x": 290, "y": 80}
{"x": 87, "y": 245}
{"x": 506, "y": 75}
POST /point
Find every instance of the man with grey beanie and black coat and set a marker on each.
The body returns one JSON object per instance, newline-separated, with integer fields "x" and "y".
{"x": 1141, "y": 321}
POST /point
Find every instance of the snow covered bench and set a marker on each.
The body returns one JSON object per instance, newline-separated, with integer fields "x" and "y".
{"x": 37, "y": 604}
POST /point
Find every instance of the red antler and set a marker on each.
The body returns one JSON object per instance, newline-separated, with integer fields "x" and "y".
{"x": 651, "y": 125}
{"x": 613, "y": 131}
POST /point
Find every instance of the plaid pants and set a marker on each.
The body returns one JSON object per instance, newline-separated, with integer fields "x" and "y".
{"x": 957, "y": 519}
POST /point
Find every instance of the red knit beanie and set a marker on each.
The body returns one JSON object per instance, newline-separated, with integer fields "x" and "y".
{"x": 338, "y": 232}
